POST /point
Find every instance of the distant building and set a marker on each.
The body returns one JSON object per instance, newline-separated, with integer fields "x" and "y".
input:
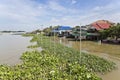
{"x": 80, "y": 32}
{"x": 91, "y": 31}
{"x": 100, "y": 25}
{"x": 94, "y": 28}
{"x": 62, "y": 30}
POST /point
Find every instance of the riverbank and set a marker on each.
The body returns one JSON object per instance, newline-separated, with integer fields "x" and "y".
{"x": 42, "y": 42}
{"x": 94, "y": 48}
{"x": 56, "y": 62}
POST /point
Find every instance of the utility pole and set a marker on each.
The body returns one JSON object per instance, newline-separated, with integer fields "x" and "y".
{"x": 41, "y": 33}
{"x": 80, "y": 43}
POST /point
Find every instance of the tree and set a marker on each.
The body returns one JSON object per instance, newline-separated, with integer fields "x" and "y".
{"x": 77, "y": 27}
{"x": 113, "y": 32}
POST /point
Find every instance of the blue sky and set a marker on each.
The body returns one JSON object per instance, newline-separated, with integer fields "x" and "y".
{"x": 36, "y": 14}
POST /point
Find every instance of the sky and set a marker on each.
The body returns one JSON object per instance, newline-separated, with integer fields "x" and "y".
{"x": 30, "y": 15}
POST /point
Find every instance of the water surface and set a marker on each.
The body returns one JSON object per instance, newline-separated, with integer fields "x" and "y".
{"x": 12, "y": 47}
{"x": 107, "y": 51}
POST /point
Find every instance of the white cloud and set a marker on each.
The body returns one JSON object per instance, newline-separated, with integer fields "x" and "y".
{"x": 73, "y": 1}
{"x": 28, "y": 14}
{"x": 55, "y": 6}
{"x": 20, "y": 12}
{"x": 108, "y": 12}
{"x": 97, "y": 8}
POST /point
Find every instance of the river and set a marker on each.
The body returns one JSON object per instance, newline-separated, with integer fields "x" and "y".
{"x": 107, "y": 51}
{"x": 12, "y": 47}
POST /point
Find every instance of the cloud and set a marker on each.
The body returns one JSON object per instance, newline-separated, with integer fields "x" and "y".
{"x": 17, "y": 11}
{"x": 107, "y": 12}
{"x": 20, "y": 12}
{"x": 73, "y": 2}
{"x": 55, "y": 6}
{"x": 28, "y": 14}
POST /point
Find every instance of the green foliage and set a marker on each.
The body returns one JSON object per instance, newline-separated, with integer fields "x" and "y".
{"x": 113, "y": 32}
{"x": 45, "y": 66}
{"x": 48, "y": 30}
{"x": 27, "y": 35}
{"x": 93, "y": 63}
{"x": 55, "y": 62}
{"x": 33, "y": 46}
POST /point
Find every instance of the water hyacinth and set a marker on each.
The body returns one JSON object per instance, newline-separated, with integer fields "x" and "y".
{"x": 55, "y": 62}
{"x": 93, "y": 63}
{"x": 45, "y": 66}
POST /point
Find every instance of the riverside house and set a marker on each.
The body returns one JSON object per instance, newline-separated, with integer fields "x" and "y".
{"x": 62, "y": 31}
{"x": 79, "y": 30}
{"x": 91, "y": 31}
{"x": 95, "y": 27}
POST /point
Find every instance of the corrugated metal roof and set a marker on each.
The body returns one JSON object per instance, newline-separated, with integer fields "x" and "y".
{"x": 64, "y": 28}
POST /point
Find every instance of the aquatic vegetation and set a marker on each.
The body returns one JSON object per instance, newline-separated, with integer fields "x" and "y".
{"x": 93, "y": 63}
{"x": 45, "y": 66}
{"x": 27, "y": 35}
{"x": 55, "y": 62}
{"x": 33, "y": 46}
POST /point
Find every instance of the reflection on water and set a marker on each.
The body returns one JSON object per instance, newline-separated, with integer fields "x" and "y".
{"x": 11, "y": 48}
{"x": 96, "y": 49}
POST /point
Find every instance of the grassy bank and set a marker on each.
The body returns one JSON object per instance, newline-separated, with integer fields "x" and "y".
{"x": 55, "y": 62}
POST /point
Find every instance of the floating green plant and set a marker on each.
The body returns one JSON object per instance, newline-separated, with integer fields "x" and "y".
{"x": 55, "y": 62}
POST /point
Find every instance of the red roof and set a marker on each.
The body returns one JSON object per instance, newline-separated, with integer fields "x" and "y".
{"x": 96, "y": 26}
{"x": 101, "y": 24}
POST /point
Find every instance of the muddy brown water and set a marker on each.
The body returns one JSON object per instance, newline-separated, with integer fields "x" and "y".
{"x": 12, "y": 47}
{"x": 113, "y": 75}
